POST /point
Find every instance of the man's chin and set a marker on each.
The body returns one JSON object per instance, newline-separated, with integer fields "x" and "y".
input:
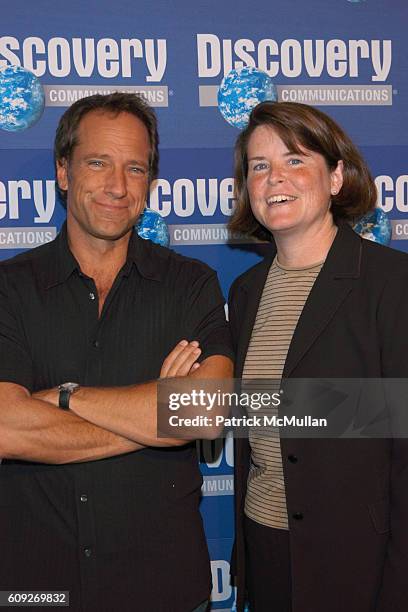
{"x": 112, "y": 233}
{"x": 106, "y": 229}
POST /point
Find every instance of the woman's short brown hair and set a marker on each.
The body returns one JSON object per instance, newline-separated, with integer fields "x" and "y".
{"x": 299, "y": 125}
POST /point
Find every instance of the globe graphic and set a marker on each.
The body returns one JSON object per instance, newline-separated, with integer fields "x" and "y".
{"x": 375, "y": 226}
{"x": 21, "y": 99}
{"x": 153, "y": 227}
{"x": 240, "y": 91}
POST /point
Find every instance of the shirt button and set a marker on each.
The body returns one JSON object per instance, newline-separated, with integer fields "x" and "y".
{"x": 298, "y": 516}
{"x": 87, "y": 552}
{"x": 96, "y": 343}
{"x": 293, "y": 458}
{"x": 84, "y": 498}
{"x": 91, "y": 296}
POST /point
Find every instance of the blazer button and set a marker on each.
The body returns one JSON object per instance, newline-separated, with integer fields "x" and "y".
{"x": 297, "y": 516}
{"x": 293, "y": 458}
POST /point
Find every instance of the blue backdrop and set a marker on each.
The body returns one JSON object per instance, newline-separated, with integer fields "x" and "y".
{"x": 347, "y": 57}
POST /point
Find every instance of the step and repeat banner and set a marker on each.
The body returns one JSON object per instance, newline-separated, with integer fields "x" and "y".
{"x": 348, "y": 57}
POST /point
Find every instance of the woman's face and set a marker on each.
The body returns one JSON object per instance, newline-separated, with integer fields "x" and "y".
{"x": 289, "y": 192}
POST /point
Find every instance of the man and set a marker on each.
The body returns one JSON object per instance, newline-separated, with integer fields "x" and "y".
{"x": 91, "y": 501}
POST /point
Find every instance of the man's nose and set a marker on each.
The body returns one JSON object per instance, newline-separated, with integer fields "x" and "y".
{"x": 116, "y": 183}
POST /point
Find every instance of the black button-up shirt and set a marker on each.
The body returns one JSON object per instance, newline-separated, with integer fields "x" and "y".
{"x": 122, "y": 533}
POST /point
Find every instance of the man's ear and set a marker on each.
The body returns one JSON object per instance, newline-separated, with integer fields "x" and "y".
{"x": 62, "y": 173}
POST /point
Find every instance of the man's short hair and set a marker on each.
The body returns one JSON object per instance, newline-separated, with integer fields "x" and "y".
{"x": 66, "y": 137}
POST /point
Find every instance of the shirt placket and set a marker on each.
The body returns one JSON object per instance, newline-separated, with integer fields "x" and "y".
{"x": 84, "y": 490}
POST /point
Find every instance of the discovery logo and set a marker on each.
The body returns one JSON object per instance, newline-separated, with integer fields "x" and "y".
{"x": 141, "y": 60}
{"x": 199, "y": 199}
{"x": 393, "y": 198}
{"x": 194, "y": 205}
{"x": 334, "y": 59}
{"x": 32, "y": 202}
{"x": 217, "y": 456}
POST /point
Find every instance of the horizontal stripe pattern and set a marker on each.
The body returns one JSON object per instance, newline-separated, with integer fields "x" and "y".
{"x": 284, "y": 295}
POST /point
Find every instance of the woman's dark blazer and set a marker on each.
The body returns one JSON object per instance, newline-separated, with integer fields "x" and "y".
{"x": 347, "y": 499}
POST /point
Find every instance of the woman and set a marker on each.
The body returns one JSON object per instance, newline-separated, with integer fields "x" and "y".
{"x": 321, "y": 524}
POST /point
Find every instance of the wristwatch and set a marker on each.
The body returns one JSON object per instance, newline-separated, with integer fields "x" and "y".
{"x": 65, "y": 392}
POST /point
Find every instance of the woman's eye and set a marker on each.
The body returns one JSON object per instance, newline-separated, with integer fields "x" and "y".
{"x": 295, "y": 161}
{"x": 259, "y": 166}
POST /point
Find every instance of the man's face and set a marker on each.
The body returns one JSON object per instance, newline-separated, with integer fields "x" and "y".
{"x": 106, "y": 178}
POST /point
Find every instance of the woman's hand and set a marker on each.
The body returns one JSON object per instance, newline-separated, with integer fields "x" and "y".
{"x": 182, "y": 360}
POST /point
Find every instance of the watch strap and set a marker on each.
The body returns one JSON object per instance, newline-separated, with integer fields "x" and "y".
{"x": 64, "y": 396}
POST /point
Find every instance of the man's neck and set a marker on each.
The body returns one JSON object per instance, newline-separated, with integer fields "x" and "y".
{"x": 99, "y": 258}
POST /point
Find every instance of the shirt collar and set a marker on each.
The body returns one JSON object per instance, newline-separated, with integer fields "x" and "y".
{"x": 62, "y": 264}
{"x": 142, "y": 253}
{"x": 150, "y": 259}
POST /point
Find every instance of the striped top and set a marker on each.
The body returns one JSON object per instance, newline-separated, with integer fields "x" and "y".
{"x": 284, "y": 295}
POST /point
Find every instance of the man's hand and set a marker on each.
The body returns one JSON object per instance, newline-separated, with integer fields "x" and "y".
{"x": 131, "y": 411}
{"x": 182, "y": 360}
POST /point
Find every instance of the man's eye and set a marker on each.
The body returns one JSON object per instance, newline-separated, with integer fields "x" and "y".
{"x": 95, "y": 163}
{"x": 137, "y": 170}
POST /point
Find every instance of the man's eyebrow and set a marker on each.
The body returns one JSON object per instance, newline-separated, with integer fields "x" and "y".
{"x": 98, "y": 155}
{"x": 106, "y": 156}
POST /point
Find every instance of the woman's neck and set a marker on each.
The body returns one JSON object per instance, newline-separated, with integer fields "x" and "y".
{"x": 309, "y": 248}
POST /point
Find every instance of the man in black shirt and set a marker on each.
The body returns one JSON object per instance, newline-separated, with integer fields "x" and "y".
{"x": 91, "y": 500}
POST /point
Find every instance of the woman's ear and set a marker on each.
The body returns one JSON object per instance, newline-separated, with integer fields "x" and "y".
{"x": 336, "y": 178}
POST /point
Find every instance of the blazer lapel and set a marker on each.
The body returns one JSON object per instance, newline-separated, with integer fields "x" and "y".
{"x": 331, "y": 287}
{"x": 251, "y": 293}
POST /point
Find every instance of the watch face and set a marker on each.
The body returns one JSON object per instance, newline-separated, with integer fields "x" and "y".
{"x": 69, "y": 386}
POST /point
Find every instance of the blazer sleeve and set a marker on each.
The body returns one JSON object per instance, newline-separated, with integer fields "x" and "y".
{"x": 393, "y": 329}
{"x": 233, "y": 314}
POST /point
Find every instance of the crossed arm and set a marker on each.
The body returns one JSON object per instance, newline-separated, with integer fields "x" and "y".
{"x": 103, "y": 422}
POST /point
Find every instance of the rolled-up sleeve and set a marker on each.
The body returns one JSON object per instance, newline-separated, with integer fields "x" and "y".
{"x": 15, "y": 359}
{"x": 205, "y": 316}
